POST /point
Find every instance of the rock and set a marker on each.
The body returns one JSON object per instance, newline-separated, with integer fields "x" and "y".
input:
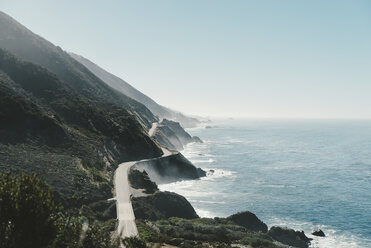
{"x": 201, "y": 172}
{"x": 163, "y": 205}
{"x": 140, "y": 180}
{"x": 170, "y": 169}
{"x": 168, "y": 138}
{"x": 289, "y": 237}
{"x": 319, "y": 233}
{"x": 249, "y": 221}
{"x": 197, "y": 139}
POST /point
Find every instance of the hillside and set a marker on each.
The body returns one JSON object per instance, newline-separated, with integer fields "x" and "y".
{"x": 128, "y": 90}
{"x": 61, "y": 121}
{"x": 73, "y": 141}
{"x": 26, "y": 45}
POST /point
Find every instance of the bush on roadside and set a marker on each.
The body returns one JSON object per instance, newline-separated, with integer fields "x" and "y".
{"x": 30, "y": 217}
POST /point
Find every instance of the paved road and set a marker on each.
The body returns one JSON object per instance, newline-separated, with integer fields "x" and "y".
{"x": 153, "y": 129}
{"x": 125, "y": 213}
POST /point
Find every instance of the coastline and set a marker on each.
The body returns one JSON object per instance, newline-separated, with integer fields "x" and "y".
{"x": 205, "y": 204}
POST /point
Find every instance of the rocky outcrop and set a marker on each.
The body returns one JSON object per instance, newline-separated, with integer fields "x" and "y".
{"x": 319, "y": 233}
{"x": 162, "y": 205}
{"x": 170, "y": 169}
{"x": 172, "y": 135}
{"x": 289, "y": 237}
{"x": 182, "y": 135}
{"x": 167, "y": 138}
{"x": 140, "y": 180}
{"x": 249, "y": 221}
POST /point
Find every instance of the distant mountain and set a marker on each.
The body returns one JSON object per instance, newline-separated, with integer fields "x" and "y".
{"x": 128, "y": 90}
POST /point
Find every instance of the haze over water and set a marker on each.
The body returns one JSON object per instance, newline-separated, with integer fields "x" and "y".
{"x": 301, "y": 174}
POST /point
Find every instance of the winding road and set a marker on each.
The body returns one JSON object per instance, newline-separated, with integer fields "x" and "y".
{"x": 153, "y": 129}
{"x": 125, "y": 213}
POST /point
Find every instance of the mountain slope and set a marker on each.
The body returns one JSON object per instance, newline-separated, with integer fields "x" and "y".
{"x": 128, "y": 90}
{"x": 74, "y": 142}
{"x": 60, "y": 121}
{"x": 169, "y": 134}
{"x": 26, "y": 45}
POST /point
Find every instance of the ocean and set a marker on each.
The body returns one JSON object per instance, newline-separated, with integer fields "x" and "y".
{"x": 304, "y": 174}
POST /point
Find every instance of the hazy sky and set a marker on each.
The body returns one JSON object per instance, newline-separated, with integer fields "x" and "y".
{"x": 222, "y": 58}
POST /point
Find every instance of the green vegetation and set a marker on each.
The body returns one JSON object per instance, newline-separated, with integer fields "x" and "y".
{"x": 31, "y": 217}
{"x": 258, "y": 242}
{"x": 134, "y": 242}
{"x": 72, "y": 141}
{"x": 140, "y": 180}
{"x": 201, "y": 232}
{"x": 162, "y": 205}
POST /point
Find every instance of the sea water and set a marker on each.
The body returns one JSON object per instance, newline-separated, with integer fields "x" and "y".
{"x": 303, "y": 174}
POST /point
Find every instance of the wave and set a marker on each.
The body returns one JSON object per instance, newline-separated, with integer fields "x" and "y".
{"x": 204, "y": 213}
{"x": 334, "y": 238}
{"x": 197, "y": 190}
{"x": 210, "y": 160}
{"x": 279, "y": 186}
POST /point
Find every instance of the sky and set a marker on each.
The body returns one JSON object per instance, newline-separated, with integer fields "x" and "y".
{"x": 264, "y": 59}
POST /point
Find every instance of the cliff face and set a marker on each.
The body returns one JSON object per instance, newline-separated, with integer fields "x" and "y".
{"x": 170, "y": 169}
{"x": 173, "y": 136}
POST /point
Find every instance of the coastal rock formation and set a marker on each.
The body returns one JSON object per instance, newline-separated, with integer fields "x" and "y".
{"x": 162, "y": 205}
{"x": 167, "y": 138}
{"x": 289, "y": 237}
{"x": 249, "y": 221}
{"x": 173, "y": 136}
{"x": 319, "y": 233}
{"x": 140, "y": 180}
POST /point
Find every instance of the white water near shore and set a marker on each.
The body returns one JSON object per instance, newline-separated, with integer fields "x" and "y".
{"x": 301, "y": 175}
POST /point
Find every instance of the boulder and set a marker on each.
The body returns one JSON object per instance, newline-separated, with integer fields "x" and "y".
{"x": 201, "y": 172}
{"x": 289, "y": 237}
{"x": 319, "y": 233}
{"x": 170, "y": 169}
{"x": 197, "y": 139}
{"x": 140, "y": 180}
{"x": 162, "y": 205}
{"x": 249, "y": 221}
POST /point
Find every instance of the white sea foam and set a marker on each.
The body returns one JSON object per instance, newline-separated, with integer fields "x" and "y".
{"x": 333, "y": 239}
{"x": 274, "y": 153}
{"x": 185, "y": 188}
{"x": 204, "y": 213}
{"x": 209, "y": 202}
{"x": 213, "y": 174}
{"x": 278, "y": 186}
{"x": 210, "y": 160}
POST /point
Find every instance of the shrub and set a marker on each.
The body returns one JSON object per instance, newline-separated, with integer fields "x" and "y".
{"x": 29, "y": 217}
{"x": 134, "y": 242}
